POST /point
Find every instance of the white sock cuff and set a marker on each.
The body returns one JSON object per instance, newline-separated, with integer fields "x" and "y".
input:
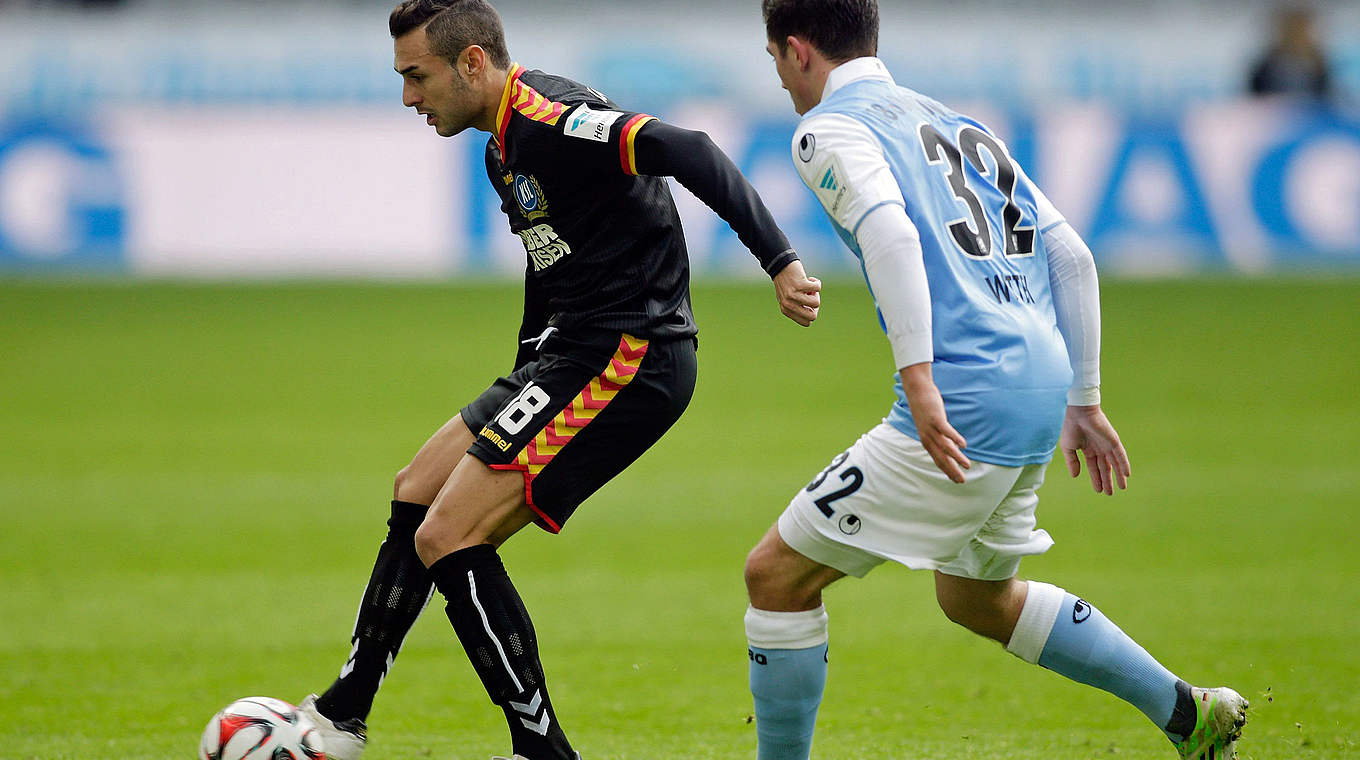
{"x": 1042, "y": 605}
{"x": 786, "y": 630}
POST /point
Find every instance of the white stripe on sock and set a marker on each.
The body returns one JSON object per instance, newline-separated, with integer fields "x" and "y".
{"x": 472, "y": 584}
{"x": 786, "y": 630}
{"x": 1042, "y": 605}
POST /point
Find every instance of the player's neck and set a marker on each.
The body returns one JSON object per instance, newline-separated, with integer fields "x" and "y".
{"x": 490, "y": 90}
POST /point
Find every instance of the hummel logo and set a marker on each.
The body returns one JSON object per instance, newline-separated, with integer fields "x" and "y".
{"x": 829, "y": 180}
{"x": 540, "y": 725}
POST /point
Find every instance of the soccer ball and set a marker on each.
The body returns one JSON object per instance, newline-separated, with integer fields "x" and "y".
{"x": 260, "y": 728}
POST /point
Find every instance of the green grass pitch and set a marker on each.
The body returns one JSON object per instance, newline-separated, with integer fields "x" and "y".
{"x": 194, "y": 479}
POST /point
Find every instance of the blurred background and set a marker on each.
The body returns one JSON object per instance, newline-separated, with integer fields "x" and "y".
{"x": 264, "y": 139}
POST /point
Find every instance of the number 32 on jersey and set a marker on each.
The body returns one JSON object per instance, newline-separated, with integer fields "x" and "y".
{"x": 973, "y": 235}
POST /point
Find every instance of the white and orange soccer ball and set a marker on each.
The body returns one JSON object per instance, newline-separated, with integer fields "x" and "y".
{"x": 260, "y": 728}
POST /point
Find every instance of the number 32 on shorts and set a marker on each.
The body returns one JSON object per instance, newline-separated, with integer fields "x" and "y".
{"x": 851, "y": 476}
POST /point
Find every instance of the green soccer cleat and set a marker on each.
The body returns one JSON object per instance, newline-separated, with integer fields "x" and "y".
{"x": 1219, "y": 716}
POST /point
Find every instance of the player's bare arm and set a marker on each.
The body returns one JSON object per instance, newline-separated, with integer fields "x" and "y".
{"x": 940, "y": 439}
{"x": 1087, "y": 434}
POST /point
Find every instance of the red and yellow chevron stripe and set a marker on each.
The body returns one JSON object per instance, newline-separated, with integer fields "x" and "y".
{"x": 503, "y": 112}
{"x": 519, "y": 96}
{"x": 529, "y": 102}
{"x": 627, "y": 154}
{"x": 539, "y": 452}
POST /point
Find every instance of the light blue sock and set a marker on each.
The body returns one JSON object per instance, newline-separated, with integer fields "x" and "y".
{"x": 1085, "y": 646}
{"x": 788, "y": 674}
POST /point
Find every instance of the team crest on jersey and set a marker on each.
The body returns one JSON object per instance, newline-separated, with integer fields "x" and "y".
{"x": 529, "y": 195}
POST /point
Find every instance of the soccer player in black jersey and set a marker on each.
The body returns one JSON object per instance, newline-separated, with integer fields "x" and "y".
{"x": 606, "y": 361}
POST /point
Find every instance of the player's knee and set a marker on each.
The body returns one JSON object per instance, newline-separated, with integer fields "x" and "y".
{"x": 758, "y": 570}
{"x": 415, "y": 486}
{"x": 403, "y": 477}
{"x": 958, "y": 611}
{"x": 983, "y": 614}
{"x": 433, "y": 541}
{"x": 768, "y": 587}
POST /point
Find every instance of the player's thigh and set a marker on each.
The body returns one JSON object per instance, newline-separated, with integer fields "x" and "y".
{"x": 477, "y": 505}
{"x": 419, "y": 482}
{"x": 591, "y": 407}
{"x": 883, "y": 499}
{"x": 1010, "y": 533}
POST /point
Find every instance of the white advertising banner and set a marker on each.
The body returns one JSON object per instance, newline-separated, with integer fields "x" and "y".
{"x": 372, "y": 191}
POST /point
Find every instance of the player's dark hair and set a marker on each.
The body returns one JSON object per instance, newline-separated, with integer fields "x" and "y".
{"x": 840, "y": 29}
{"x": 453, "y": 25}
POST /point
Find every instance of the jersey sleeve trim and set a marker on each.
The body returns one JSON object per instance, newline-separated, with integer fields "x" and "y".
{"x": 854, "y": 232}
{"x": 504, "y": 110}
{"x": 627, "y": 138}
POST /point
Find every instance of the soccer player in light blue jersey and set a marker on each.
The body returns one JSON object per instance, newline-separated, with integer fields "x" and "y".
{"x": 990, "y": 302}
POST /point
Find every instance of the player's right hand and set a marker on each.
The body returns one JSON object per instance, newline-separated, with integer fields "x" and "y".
{"x": 944, "y": 444}
{"x": 799, "y": 295}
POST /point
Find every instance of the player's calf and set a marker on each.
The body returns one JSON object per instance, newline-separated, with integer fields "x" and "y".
{"x": 495, "y": 629}
{"x": 1069, "y": 636}
{"x": 398, "y": 589}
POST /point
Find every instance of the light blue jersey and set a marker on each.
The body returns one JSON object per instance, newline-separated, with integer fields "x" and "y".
{"x": 999, "y": 360}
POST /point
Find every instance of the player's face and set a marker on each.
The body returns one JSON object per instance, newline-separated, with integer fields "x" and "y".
{"x": 790, "y": 72}
{"x": 432, "y": 86}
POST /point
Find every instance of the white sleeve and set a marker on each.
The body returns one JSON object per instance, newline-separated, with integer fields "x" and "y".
{"x": 842, "y": 162}
{"x": 1076, "y": 299}
{"x": 891, "y": 247}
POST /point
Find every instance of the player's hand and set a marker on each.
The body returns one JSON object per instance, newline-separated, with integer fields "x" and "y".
{"x": 940, "y": 439}
{"x": 799, "y": 295}
{"x": 1086, "y": 429}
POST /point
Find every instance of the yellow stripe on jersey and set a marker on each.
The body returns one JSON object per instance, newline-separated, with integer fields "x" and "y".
{"x": 627, "y": 151}
{"x": 503, "y": 111}
{"x": 532, "y": 104}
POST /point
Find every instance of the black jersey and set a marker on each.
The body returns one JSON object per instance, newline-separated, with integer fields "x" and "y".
{"x": 604, "y": 242}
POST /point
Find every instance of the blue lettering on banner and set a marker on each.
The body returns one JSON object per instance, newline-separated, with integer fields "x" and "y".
{"x": 1158, "y": 146}
{"x": 1271, "y": 186}
{"x": 71, "y": 209}
{"x": 767, "y": 158}
{"x": 1151, "y": 204}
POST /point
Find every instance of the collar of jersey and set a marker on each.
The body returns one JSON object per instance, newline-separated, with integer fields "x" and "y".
{"x": 867, "y": 67}
{"x": 503, "y": 112}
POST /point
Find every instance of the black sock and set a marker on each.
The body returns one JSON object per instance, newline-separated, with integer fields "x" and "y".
{"x": 397, "y": 592}
{"x": 1182, "y": 722}
{"x": 495, "y": 629}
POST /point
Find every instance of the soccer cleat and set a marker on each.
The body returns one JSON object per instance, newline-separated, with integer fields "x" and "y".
{"x": 344, "y": 740}
{"x": 1219, "y": 716}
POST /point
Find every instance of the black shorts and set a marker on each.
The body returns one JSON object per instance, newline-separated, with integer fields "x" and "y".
{"x": 580, "y": 414}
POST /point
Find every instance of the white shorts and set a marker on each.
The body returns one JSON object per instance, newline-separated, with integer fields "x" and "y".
{"x": 884, "y": 499}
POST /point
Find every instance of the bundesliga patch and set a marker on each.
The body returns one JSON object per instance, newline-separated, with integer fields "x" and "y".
{"x": 591, "y": 125}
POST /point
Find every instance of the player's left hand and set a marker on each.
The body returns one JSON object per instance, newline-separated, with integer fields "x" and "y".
{"x": 1086, "y": 429}
{"x": 799, "y": 295}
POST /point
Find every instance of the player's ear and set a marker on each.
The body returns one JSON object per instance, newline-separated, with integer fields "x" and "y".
{"x": 472, "y": 62}
{"x": 802, "y": 50}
